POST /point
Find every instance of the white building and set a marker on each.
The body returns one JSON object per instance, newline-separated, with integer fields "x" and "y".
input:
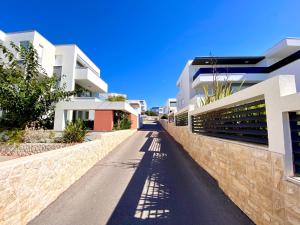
{"x": 171, "y": 106}
{"x": 141, "y": 103}
{"x": 283, "y": 58}
{"x": 75, "y": 70}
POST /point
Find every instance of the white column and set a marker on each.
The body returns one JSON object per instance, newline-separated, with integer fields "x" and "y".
{"x": 69, "y": 115}
{"x": 59, "y": 120}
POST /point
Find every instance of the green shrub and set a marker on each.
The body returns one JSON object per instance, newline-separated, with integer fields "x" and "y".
{"x": 118, "y": 98}
{"x": 122, "y": 122}
{"x": 13, "y": 136}
{"x": 74, "y": 132}
{"x": 164, "y": 117}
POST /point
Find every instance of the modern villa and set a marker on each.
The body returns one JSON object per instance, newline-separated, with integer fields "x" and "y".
{"x": 283, "y": 58}
{"x": 75, "y": 70}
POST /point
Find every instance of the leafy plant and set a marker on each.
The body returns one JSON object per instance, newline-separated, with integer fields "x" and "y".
{"x": 121, "y": 120}
{"x": 27, "y": 93}
{"x": 219, "y": 88}
{"x": 13, "y": 136}
{"x": 150, "y": 113}
{"x": 74, "y": 132}
{"x": 118, "y": 98}
{"x": 165, "y": 117}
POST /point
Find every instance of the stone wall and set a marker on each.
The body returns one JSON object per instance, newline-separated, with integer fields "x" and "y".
{"x": 25, "y": 149}
{"x": 250, "y": 175}
{"x": 29, "y": 184}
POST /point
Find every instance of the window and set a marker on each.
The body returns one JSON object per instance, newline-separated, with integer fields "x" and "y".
{"x": 57, "y": 70}
{"x": 79, "y": 65}
{"x": 58, "y": 60}
{"x": 173, "y": 104}
{"x": 40, "y": 52}
{"x": 24, "y": 44}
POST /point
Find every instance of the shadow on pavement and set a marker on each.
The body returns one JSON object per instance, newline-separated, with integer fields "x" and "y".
{"x": 161, "y": 193}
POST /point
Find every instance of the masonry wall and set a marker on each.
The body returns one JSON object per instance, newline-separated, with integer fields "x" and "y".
{"x": 29, "y": 184}
{"x": 250, "y": 175}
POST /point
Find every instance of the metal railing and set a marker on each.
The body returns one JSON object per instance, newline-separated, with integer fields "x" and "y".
{"x": 246, "y": 122}
{"x": 182, "y": 119}
{"x": 295, "y": 137}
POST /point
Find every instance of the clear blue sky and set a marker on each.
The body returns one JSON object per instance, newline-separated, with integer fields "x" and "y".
{"x": 142, "y": 46}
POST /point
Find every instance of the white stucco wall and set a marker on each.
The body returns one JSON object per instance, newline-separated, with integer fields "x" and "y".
{"x": 36, "y": 39}
{"x": 292, "y": 68}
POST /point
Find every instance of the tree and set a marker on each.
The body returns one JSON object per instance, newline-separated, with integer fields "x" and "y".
{"x": 121, "y": 120}
{"x": 27, "y": 94}
{"x": 118, "y": 98}
{"x": 150, "y": 113}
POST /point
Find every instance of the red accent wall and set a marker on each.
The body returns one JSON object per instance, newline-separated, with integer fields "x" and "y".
{"x": 104, "y": 120}
{"x": 133, "y": 120}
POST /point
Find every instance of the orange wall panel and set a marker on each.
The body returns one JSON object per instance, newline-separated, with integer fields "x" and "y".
{"x": 104, "y": 120}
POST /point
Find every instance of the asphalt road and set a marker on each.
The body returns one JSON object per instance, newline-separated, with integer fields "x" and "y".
{"x": 147, "y": 180}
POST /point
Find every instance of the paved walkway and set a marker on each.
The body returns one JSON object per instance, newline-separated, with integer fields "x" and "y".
{"x": 147, "y": 180}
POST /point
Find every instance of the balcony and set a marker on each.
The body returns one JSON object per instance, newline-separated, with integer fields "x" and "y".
{"x": 90, "y": 80}
{"x": 235, "y": 78}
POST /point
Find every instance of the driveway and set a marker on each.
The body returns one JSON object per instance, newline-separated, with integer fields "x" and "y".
{"x": 147, "y": 180}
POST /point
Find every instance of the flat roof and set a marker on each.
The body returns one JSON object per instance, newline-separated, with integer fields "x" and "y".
{"x": 209, "y": 60}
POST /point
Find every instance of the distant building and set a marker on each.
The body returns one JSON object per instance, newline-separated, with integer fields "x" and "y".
{"x": 171, "y": 106}
{"x": 142, "y": 103}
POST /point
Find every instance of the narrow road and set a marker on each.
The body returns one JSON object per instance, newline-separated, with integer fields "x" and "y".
{"x": 147, "y": 180}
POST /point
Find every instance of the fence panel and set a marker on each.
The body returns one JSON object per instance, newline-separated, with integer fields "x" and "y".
{"x": 245, "y": 123}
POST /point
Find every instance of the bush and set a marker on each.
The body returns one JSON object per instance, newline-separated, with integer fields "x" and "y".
{"x": 13, "y": 136}
{"x": 121, "y": 120}
{"x": 74, "y": 132}
{"x": 118, "y": 98}
{"x": 164, "y": 117}
{"x": 150, "y": 113}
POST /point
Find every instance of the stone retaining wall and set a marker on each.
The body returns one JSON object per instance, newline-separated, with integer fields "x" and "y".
{"x": 25, "y": 149}
{"x": 29, "y": 184}
{"x": 250, "y": 175}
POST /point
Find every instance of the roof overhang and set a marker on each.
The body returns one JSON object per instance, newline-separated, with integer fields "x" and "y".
{"x": 235, "y": 60}
{"x": 234, "y": 78}
{"x": 94, "y": 104}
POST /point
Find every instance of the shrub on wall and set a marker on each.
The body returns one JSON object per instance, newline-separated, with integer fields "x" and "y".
{"x": 74, "y": 132}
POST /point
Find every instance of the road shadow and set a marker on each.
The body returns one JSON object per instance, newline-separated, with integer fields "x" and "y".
{"x": 161, "y": 192}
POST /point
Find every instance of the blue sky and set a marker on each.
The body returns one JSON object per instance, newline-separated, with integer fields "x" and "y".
{"x": 142, "y": 46}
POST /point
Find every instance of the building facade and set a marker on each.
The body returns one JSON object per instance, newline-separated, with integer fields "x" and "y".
{"x": 171, "y": 106}
{"x": 74, "y": 69}
{"x": 283, "y": 58}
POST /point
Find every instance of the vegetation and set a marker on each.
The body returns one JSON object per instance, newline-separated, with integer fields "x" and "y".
{"x": 118, "y": 98}
{"x": 27, "y": 94}
{"x": 151, "y": 113}
{"x": 219, "y": 88}
{"x": 121, "y": 120}
{"x": 74, "y": 132}
{"x": 165, "y": 116}
{"x": 13, "y": 136}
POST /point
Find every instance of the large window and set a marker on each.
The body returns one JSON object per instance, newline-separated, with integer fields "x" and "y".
{"x": 24, "y": 44}
{"x": 40, "y": 52}
{"x": 57, "y": 70}
{"x": 173, "y": 104}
